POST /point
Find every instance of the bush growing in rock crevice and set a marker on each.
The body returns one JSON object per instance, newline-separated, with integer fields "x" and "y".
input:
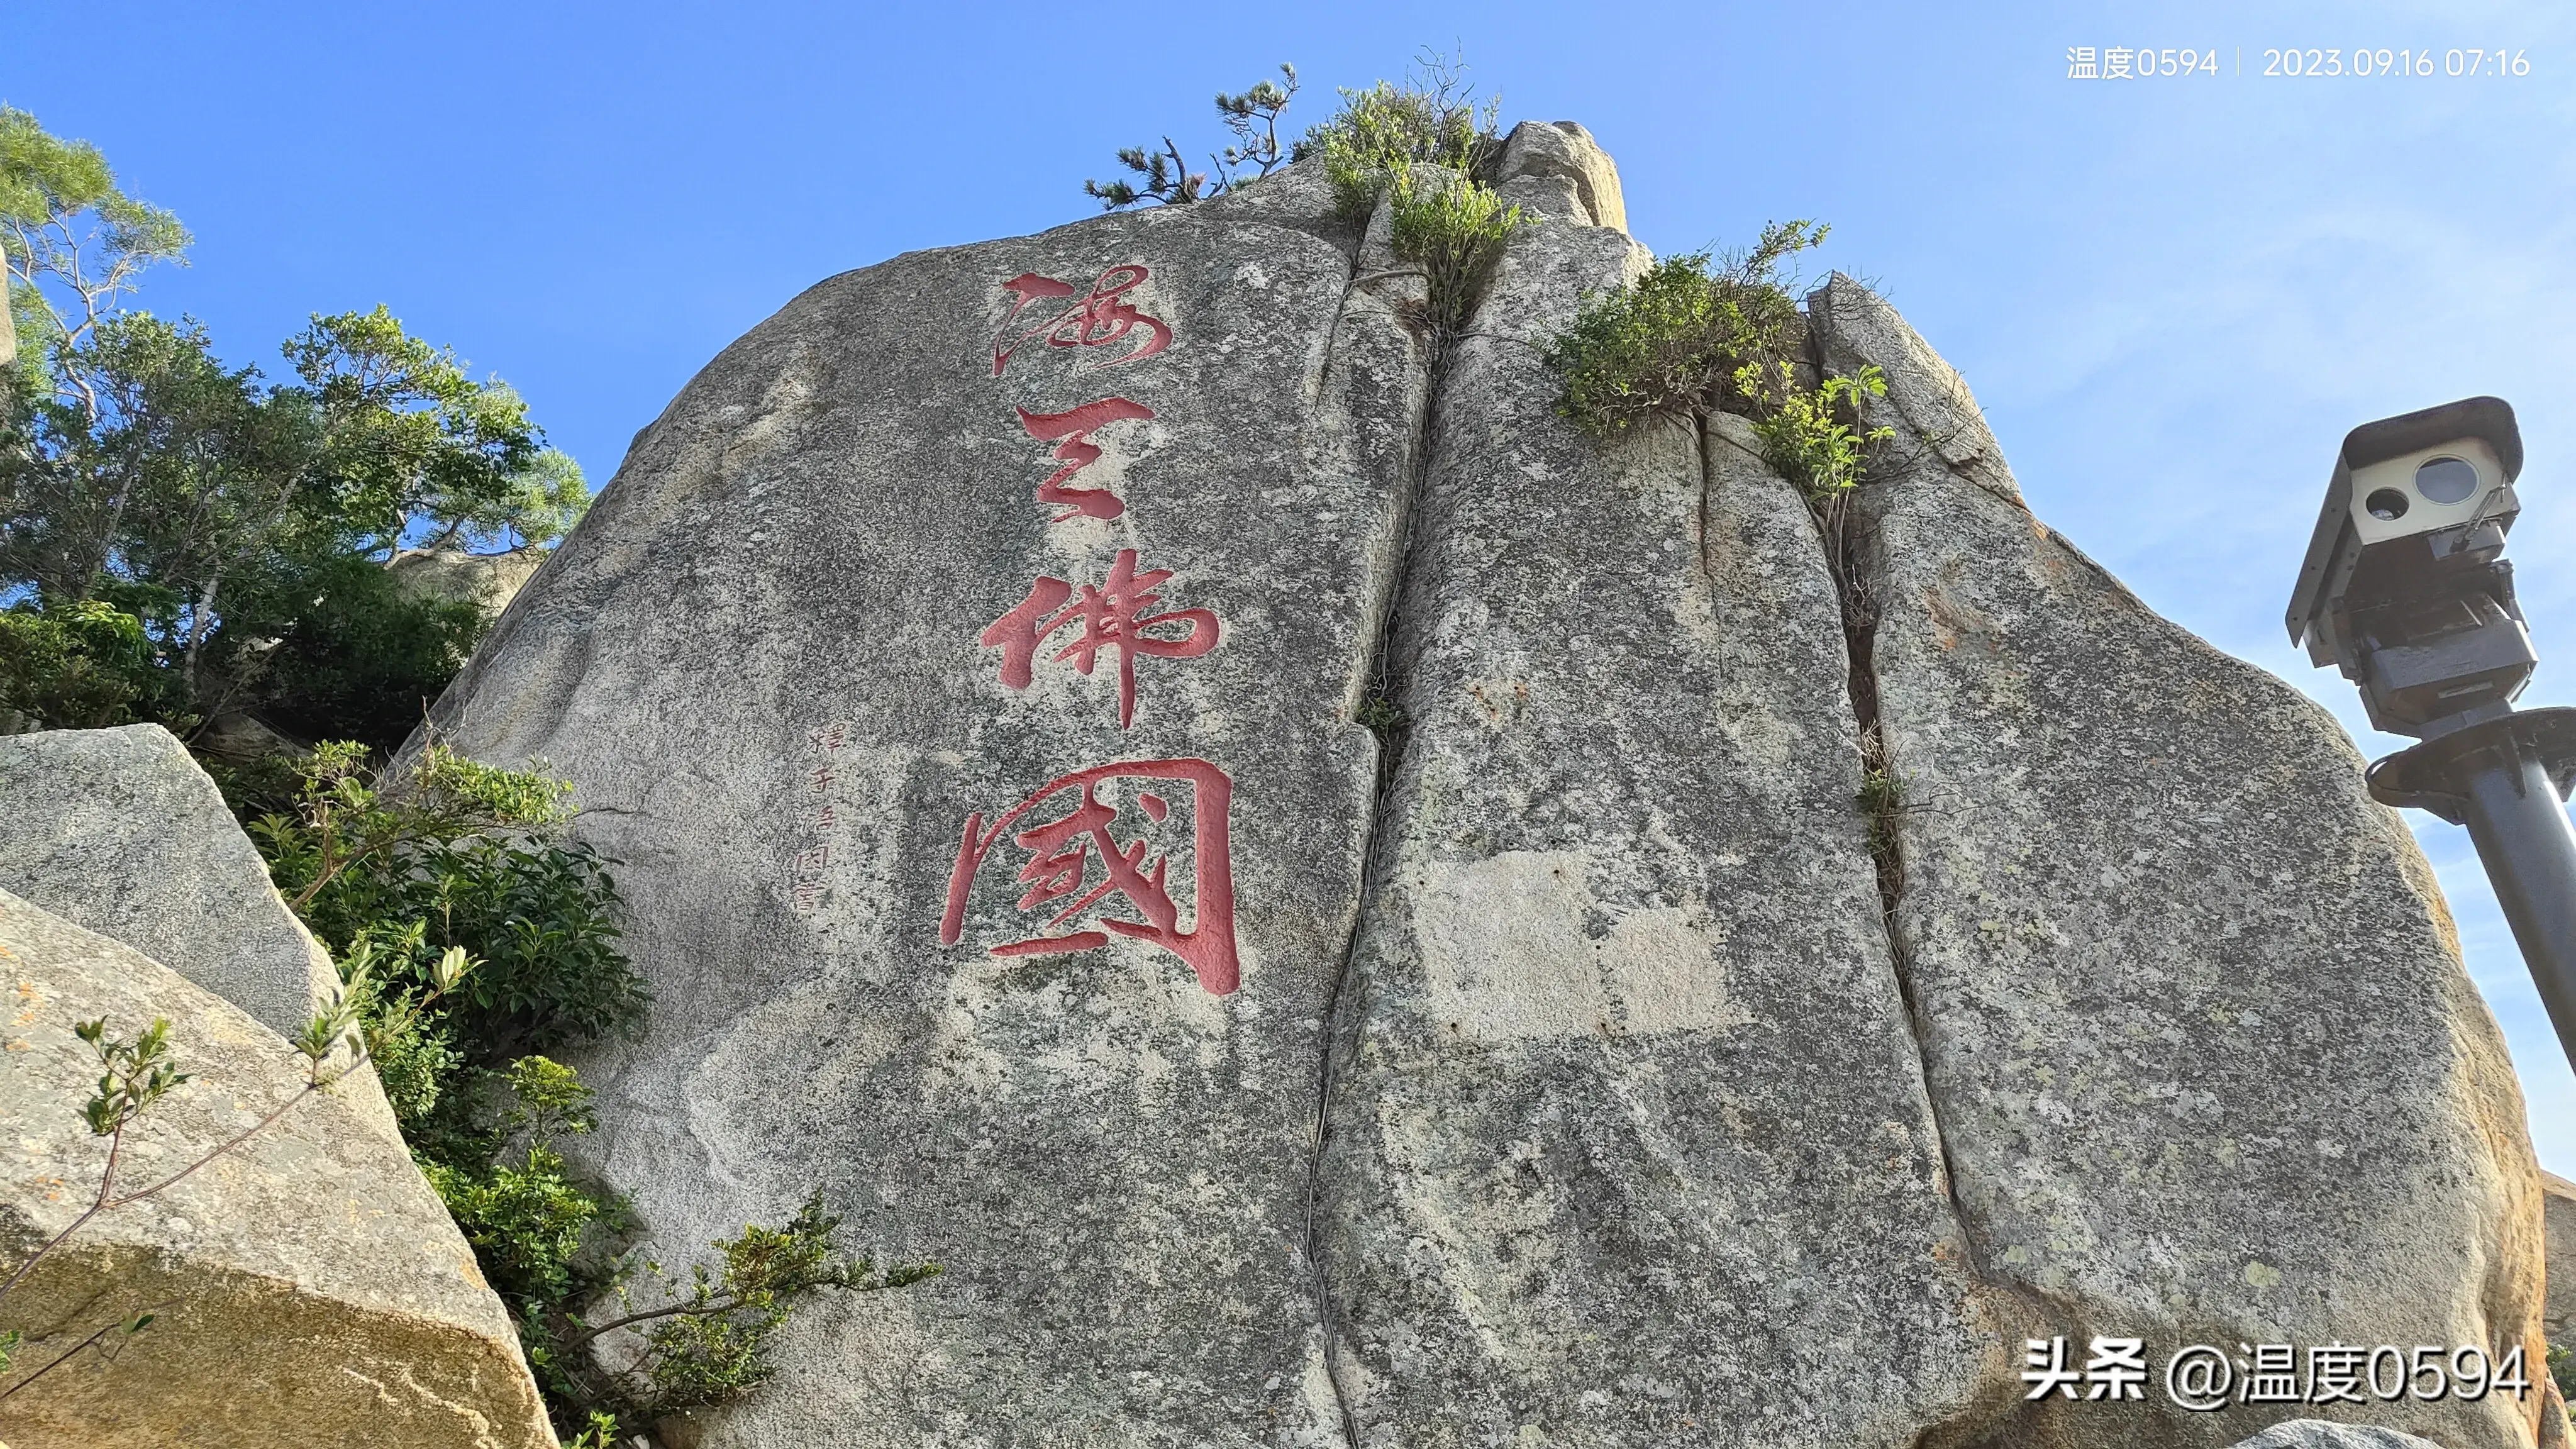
{"x": 1697, "y": 335}
{"x": 1385, "y": 130}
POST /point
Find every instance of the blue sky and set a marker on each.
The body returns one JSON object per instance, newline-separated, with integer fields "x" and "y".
{"x": 2172, "y": 296}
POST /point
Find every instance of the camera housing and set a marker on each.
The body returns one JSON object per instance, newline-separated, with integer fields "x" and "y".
{"x": 2404, "y": 587}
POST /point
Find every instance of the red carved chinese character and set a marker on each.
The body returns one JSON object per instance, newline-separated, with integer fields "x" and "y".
{"x": 831, "y": 737}
{"x": 1100, "y": 319}
{"x": 1113, "y": 617}
{"x": 1060, "y": 852}
{"x": 820, "y": 778}
{"x": 1077, "y": 453}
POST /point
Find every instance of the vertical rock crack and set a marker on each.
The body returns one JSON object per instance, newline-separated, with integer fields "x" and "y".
{"x": 1389, "y": 727}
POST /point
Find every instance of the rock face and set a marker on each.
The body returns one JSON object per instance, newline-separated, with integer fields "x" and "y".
{"x": 2206, "y": 1064}
{"x": 1580, "y": 1066}
{"x": 310, "y": 1288}
{"x": 2559, "y": 1318}
{"x": 486, "y": 580}
{"x": 921, "y": 488}
{"x": 119, "y": 831}
{"x": 1581, "y": 1129}
{"x": 1561, "y": 171}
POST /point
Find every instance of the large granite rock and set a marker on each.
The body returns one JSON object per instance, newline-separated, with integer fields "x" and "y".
{"x": 309, "y": 1287}
{"x": 1616, "y": 1104}
{"x": 2193, "y": 1016}
{"x": 1591, "y": 1174}
{"x": 792, "y": 662}
{"x": 118, "y": 830}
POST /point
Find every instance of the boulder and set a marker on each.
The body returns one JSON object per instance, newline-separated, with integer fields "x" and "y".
{"x": 308, "y": 1286}
{"x": 2194, "y": 1023}
{"x": 810, "y": 663}
{"x": 963, "y": 672}
{"x": 119, "y": 830}
{"x": 2559, "y": 1314}
{"x": 1556, "y": 167}
{"x": 486, "y": 580}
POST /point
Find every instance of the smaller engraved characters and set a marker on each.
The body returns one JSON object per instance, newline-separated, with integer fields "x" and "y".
{"x": 809, "y": 870}
{"x": 1112, "y": 616}
{"x": 1062, "y": 846}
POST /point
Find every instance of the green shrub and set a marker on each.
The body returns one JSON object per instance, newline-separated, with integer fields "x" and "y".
{"x": 1693, "y": 337}
{"x": 359, "y": 660}
{"x": 1384, "y": 130}
{"x": 707, "y": 1339}
{"x": 536, "y": 913}
{"x": 542, "y": 1236}
{"x": 1804, "y": 436}
{"x": 1455, "y": 229}
{"x": 1675, "y": 342}
{"x": 528, "y": 1222}
{"x": 80, "y": 665}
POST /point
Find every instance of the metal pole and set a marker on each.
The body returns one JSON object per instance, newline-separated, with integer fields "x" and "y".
{"x": 2529, "y": 849}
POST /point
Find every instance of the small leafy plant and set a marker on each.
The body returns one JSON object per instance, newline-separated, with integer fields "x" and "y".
{"x": 1693, "y": 336}
{"x": 1455, "y": 229}
{"x": 1804, "y": 436}
{"x": 135, "y": 1074}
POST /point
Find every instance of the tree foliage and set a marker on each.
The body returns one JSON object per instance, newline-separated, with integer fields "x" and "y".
{"x": 231, "y": 516}
{"x": 1252, "y": 117}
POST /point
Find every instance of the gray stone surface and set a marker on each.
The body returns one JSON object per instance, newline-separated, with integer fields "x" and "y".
{"x": 1110, "y": 1158}
{"x": 2559, "y": 1314}
{"x": 118, "y": 830}
{"x": 1558, "y": 167}
{"x": 309, "y": 1286}
{"x": 2193, "y": 1013}
{"x": 2319, "y": 1434}
{"x": 1592, "y": 1174}
{"x": 487, "y": 580}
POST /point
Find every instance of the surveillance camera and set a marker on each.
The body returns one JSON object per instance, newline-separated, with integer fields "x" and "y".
{"x": 2403, "y": 587}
